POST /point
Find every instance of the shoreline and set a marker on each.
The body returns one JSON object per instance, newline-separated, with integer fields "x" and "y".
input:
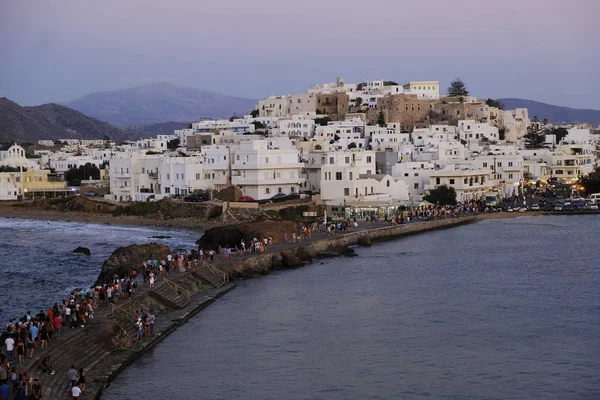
{"x": 105, "y": 219}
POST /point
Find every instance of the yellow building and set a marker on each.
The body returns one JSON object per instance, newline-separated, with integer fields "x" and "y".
{"x": 37, "y": 184}
{"x": 432, "y": 87}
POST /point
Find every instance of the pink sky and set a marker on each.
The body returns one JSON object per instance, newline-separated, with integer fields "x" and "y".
{"x": 541, "y": 50}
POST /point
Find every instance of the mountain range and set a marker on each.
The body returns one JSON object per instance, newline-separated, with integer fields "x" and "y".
{"x": 159, "y": 102}
{"x": 51, "y": 121}
{"x": 554, "y": 114}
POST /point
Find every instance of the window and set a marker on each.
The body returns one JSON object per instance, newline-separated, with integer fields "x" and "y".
{"x": 267, "y": 190}
{"x": 338, "y": 176}
{"x": 197, "y": 177}
{"x": 416, "y": 185}
{"x": 347, "y": 160}
{"x": 452, "y": 181}
{"x": 168, "y": 176}
{"x": 167, "y": 190}
{"x": 510, "y": 176}
{"x": 267, "y": 160}
{"x": 510, "y": 164}
{"x": 437, "y": 181}
{"x": 350, "y": 175}
{"x": 368, "y": 159}
{"x": 388, "y": 183}
{"x": 484, "y": 165}
{"x": 330, "y": 160}
{"x": 346, "y": 191}
{"x": 279, "y": 190}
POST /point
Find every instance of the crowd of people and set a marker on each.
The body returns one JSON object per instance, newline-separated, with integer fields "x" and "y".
{"x": 24, "y": 335}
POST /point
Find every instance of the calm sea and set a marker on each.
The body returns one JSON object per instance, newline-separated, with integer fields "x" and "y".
{"x": 501, "y": 309}
{"x": 38, "y": 268}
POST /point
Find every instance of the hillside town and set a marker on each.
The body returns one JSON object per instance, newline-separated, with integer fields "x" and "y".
{"x": 349, "y": 147}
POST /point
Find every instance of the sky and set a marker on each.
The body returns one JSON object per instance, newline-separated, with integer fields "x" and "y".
{"x": 544, "y": 50}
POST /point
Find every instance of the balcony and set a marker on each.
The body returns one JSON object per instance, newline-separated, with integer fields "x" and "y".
{"x": 153, "y": 175}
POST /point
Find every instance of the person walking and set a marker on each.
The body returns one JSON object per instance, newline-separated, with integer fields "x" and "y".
{"x": 81, "y": 379}
{"x": 75, "y": 392}
{"x": 10, "y": 346}
{"x": 72, "y": 375}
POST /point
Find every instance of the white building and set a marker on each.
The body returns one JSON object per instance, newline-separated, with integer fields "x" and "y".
{"x": 15, "y": 157}
{"x": 416, "y": 175}
{"x": 263, "y": 168}
{"x": 469, "y": 184}
{"x": 296, "y": 126}
{"x": 470, "y": 130}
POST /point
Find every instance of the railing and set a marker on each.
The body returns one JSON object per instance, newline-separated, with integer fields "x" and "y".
{"x": 178, "y": 289}
{"x": 121, "y": 311}
{"x": 216, "y": 271}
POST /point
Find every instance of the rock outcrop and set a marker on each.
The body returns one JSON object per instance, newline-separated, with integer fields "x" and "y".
{"x": 365, "y": 241}
{"x": 83, "y": 250}
{"x": 233, "y": 234}
{"x": 123, "y": 259}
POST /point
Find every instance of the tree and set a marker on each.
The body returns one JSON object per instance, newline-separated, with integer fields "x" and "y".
{"x": 441, "y": 195}
{"x": 254, "y": 113}
{"x": 8, "y": 168}
{"x": 457, "y": 88}
{"x": 545, "y": 121}
{"x": 359, "y": 101}
{"x": 72, "y": 177}
{"x": 501, "y": 133}
{"x": 591, "y": 182}
{"x": 494, "y": 103}
{"x": 560, "y": 133}
{"x": 323, "y": 121}
{"x": 381, "y": 118}
{"x": 173, "y": 144}
{"x": 352, "y": 145}
{"x": 534, "y": 140}
{"x": 233, "y": 117}
{"x": 258, "y": 125}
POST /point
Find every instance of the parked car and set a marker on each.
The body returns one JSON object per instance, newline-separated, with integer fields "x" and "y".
{"x": 523, "y": 209}
{"x": 90, "y": 193}
{"x": 509, "y": 209}
{"x": 294, "y": 196}
{"x": 247, "y": 199}
{"x": 280, "y": 197}
{"x": 195, "y": 198}
{"x": 535, "y": 207}
{"x": 558, "y": 207}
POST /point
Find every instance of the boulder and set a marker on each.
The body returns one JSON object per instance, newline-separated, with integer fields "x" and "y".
{"x": 303, "y": 254}
{"x": 123, "y": 258}
{"x": 290, "y": 260}
{"x": 365, "y": 241}
{"x": 83, "y": 250}
{"x": 277, "y": 261}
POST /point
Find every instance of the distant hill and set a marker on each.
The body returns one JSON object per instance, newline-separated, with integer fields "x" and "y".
{"x": 51, "y": 121}
{"x": 554, "y": 114}
{"x": 159, "y": 102}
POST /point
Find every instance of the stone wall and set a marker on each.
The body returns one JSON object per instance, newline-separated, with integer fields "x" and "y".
{"x": 262, "y": 264}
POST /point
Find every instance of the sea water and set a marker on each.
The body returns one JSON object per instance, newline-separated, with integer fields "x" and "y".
{"x": 500, "y": 309}
{"x": 38, "y": 267}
